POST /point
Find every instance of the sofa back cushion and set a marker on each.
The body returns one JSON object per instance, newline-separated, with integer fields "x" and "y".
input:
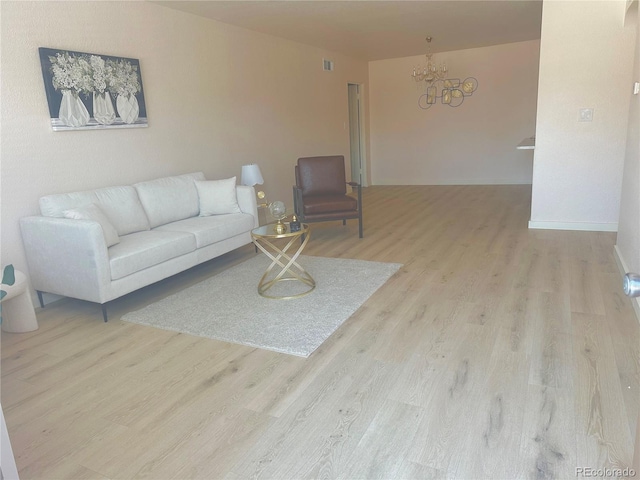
{"x": 120, "y": 205}
{"x": 217, "y": 197}
{"x": 169, "y": 199}
{"x": 92, "y": 212}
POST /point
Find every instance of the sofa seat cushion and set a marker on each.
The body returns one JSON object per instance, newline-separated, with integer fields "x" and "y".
{"x": 141, "y": 250}
{"x": 314, "y": 204}
{"x": 208, "y": 230}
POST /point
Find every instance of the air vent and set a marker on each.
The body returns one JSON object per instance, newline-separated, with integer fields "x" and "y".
{"x": 327, "y": 65}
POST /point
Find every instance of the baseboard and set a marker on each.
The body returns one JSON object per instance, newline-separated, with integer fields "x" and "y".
{"x": 579, "y": 226}
{"x": 622, "y": 266}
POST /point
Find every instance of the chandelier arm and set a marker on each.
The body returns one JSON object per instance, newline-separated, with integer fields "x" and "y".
{"x": 451, "y": 91}
{"x": 428, "y": 105}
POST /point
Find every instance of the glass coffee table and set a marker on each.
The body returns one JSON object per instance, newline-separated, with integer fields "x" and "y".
{"x": 266, "y": 239}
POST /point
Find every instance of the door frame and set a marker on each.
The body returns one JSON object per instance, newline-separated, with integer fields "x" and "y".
{"x": 361, "y": 130}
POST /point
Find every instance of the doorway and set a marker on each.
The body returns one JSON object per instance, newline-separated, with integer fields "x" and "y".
{"x": 356, "y": 129}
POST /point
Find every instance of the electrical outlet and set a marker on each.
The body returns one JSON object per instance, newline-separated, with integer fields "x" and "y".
{"x": 636, "y": 88}
{"x": 586, "y": 115}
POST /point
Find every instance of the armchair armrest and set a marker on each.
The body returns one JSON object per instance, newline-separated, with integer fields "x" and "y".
{"x": 67, "y": 257}
{"x": 359, "y": 193}
{"x": 298, "y": 203}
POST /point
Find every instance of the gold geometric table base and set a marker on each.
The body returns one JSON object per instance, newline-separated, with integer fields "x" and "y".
{"x": 290, "y": 270}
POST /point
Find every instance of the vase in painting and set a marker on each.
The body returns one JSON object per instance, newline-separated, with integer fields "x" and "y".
{"x": 103, "y": 110}
{"x": 128, "y": 108}
{"x": 72, "y": 112}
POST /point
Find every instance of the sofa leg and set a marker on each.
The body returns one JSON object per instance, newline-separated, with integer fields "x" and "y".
{"x": 104, "y": 312}
{"x": 40, "y": 298}
{"x": 344, "y": 221}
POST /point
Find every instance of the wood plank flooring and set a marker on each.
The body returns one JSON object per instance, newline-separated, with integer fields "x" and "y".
{"x": 494, "y": 352}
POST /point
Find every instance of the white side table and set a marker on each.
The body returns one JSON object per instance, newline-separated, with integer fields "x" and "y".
{"x": 18, "y": 315}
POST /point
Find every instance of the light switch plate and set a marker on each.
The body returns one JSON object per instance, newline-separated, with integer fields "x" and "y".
{"x": 636, "y": 88}
{"x": 586, "y": 115}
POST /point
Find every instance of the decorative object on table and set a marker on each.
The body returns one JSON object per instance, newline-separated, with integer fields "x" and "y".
{"x": 294, "y": 224}
{"x": 278, "y": 210}
{"x": 451, "y": 91}
{"x": 320, "y": 192}
{"x": 237, "y": 314}
{"x": 81, "y": 88}
{"x": 16, "y": 308}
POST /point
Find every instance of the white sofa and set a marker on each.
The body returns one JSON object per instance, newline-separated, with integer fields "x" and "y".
{"x": 156, "y": 229}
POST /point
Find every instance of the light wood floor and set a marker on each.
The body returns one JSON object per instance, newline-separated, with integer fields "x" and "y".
{"x": 495, "y": 352}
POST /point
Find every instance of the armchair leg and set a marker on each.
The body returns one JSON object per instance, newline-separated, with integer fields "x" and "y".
{"x": 104, "y": 312}
{"x": 344, "y": 221}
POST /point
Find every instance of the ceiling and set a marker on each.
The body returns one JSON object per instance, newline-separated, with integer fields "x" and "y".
{"x": 376, "y": 30}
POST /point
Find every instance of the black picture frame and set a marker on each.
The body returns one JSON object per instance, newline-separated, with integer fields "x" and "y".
{"x": 87, "y": 91}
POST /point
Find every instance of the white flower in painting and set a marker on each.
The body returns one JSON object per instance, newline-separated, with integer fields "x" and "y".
{"x": 101, "y": 73}
{"x": 85, "y": 82}
{"x": 124, "y": 79}
{"x": 71, "y": 72}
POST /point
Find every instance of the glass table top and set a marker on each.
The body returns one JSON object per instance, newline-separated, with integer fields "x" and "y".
{"x": 269, "y": 231}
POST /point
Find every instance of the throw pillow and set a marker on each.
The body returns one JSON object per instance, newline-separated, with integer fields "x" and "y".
{"x": 93, "y": 212}
{"x": 217, "y": 197}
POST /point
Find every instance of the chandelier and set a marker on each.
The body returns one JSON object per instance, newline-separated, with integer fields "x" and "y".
{"x": 451, "y": 91}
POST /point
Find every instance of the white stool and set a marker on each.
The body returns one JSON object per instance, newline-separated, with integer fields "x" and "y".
{"x": 18, "y": 315}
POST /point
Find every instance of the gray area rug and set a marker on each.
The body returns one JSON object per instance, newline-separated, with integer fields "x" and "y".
{"x": 227, "y": 306}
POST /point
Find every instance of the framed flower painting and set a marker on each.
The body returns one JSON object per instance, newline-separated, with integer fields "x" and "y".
{"x": 89, "y": 91}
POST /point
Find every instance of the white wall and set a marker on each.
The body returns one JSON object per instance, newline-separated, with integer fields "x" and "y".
{"x": 471, "y": 144}
{"x": 217, "y": 97}
{"x": 585, "y": 62}
{"x": 628, "y": 240}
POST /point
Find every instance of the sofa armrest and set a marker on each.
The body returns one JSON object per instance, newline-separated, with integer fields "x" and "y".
{"x": 67, "y": 257}
{"x": 247, "y": 202}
